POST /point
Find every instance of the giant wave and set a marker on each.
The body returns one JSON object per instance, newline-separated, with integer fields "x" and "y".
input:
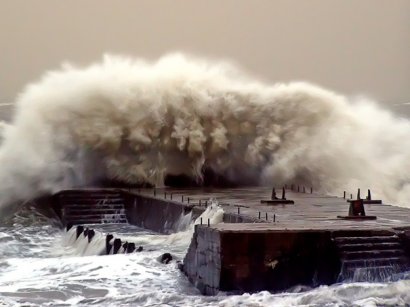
{"x": 137, "y": 121}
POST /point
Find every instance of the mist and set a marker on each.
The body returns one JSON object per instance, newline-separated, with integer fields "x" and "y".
{"x": 137, "y": 121}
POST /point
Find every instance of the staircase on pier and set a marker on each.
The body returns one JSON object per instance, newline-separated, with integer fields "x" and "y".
{"x": 370, "y": 256}
{"x": 91, "y": 206}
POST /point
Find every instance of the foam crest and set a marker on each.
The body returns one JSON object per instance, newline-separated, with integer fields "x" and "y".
{"x": 138, "y": 121}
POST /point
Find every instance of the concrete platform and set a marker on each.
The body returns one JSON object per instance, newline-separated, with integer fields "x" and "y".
{"x": 309, "y": 211}
{"x": 273, "y": 247}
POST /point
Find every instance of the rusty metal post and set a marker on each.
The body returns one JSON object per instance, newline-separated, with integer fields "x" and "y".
{"x": 273, "y": 196}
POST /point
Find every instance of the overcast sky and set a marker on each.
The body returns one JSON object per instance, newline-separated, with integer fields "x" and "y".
{"x": 351, "y": 46}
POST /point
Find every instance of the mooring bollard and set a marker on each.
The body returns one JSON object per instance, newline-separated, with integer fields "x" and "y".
{"x": 273, "y": 196}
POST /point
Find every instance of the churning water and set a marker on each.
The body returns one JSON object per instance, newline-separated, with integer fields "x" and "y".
{"x": 41, "y": 265}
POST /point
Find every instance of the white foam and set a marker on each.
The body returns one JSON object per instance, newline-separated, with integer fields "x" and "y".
{"x": 133, "y": 120}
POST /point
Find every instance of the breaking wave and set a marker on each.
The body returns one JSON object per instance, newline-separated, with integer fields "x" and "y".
{"x": 137, "y": 121}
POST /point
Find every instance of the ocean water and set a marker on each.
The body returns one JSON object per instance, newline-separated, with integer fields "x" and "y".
{"x": 43, "y": 265}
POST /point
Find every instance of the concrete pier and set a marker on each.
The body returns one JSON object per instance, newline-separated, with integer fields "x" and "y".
{"x": 272, "y": 246}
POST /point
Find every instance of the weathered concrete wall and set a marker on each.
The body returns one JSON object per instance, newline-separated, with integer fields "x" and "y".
{"x": 202, "y": 263}
{"x": 159, "y": 215}
{"x": 253, "y": 261}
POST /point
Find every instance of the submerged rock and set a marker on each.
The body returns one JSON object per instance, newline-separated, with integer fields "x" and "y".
{"x": 166, "y": 258}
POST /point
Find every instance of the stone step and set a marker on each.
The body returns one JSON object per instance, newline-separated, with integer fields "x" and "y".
{"x": 369, "y": 246}
{"x": 356, "y": 263}
{"x": 370, "y": 274}
{"x": 94, "y": 210}
{"x": 93, "y": 207}
{"x": 96, "y": 221}
{"x": 88, "y": 201}
{"x": 361, "y": 240}
{"x": 372, "y": 254}
{"x": 89, "y": 194}
{"x": 95, "y": 216}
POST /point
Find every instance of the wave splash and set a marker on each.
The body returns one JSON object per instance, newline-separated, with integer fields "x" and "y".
{"x": 138, "y": 121}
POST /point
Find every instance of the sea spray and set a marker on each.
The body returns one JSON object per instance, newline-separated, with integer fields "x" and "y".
{"x": 179, "y": 240}
{"x": 137, "y": 121}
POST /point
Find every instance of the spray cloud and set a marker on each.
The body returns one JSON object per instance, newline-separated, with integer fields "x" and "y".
{"x": 138, "y": 121}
